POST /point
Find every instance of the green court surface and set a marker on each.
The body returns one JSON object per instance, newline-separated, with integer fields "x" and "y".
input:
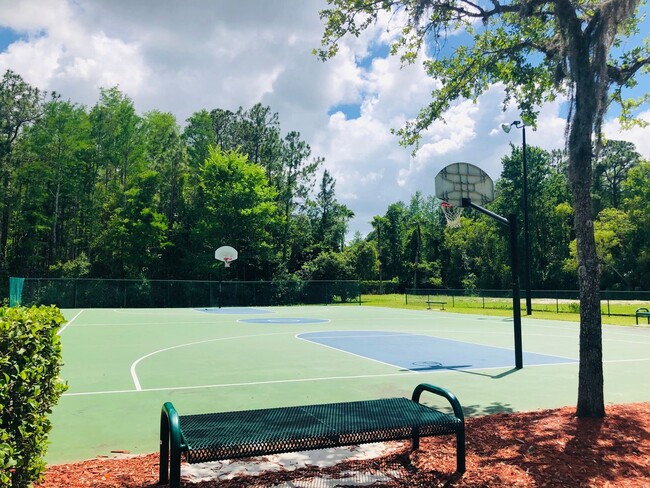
{"x": 122, "y": 365}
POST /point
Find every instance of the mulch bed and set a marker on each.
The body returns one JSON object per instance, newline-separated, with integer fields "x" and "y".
{"x": 544, "y": 448}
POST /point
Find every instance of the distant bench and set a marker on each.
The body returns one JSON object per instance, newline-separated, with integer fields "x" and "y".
{"x": 432, "y": 302}
{"x": 642, "y": 312}
{"x": 231, "y": 435}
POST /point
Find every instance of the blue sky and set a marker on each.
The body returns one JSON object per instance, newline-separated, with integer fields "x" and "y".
{"x": 181, "y": 57}
{"x": 7, "y": 36}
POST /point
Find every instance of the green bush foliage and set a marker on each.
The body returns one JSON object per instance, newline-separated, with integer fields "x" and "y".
{"x": 30, "y": 361}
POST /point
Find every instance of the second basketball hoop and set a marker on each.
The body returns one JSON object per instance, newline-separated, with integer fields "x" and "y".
{"x": 226, "y": 254}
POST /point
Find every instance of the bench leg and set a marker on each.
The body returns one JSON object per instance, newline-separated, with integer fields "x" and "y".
{"x": 163, "y": 463}
{"x": 460, "y": 451}
{"x": 175, "y": 468}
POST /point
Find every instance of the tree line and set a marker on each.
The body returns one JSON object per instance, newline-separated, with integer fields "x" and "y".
{"x": 105, "y": 192}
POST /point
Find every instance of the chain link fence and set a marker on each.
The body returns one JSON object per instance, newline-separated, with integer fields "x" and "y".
{"x": 110, "y": 293}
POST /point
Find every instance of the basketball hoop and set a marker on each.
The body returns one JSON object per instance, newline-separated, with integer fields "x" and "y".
{"x": 452, "y": 214}
{"x": 459, "y": 181}
{"x": 226, "y": 254}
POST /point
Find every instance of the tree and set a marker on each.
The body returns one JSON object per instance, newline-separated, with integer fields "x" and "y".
{"x": 20, "y": 105}
{"x": 610, "y": 171}
{"x": 118, "y": 140}
{"x": 636, "y": 203}
{"x": 535, "y": 50}
{"x": 240, "y": 211}
{"x": 330, "y": 217}
{"x": 377, "y": 223}
{"x": 392, "y": 238}
{"x": 548, "y": 186}
{"x": 135, "y": 234}
{"x": 293, "y": 177}
{"x": 365, "y": 259}
{"x": 199, "y": 135}
{"x": 424, "y": 236}
{"x": 55, "y": 185}
{"x": 164, "y": 153}
{"x": 612, "y": 230}
{"x": 116, "y": 129}
{"x": 329, "y": 265}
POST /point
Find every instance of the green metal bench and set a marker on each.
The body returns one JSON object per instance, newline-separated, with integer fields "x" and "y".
{"x": 642, "y": 312}
{"x": 231, "y": 435}
{"x": 436, "y": 302}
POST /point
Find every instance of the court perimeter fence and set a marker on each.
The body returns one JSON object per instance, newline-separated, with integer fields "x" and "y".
{"x": 115, "y": 293}
{"x": 614, "y": 303}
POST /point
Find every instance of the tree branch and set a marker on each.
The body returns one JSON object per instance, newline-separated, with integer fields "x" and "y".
{"x": 621, "y": 76}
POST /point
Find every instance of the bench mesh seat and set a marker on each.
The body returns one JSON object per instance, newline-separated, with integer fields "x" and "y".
{"x": 232, "y": 435}
{"x": 248, "y": 433}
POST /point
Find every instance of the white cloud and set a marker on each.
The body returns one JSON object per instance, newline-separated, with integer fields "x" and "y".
{"x": 639, "y": 136}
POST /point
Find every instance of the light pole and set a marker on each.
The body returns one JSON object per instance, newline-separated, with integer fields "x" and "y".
{"x": 518, "y": 124}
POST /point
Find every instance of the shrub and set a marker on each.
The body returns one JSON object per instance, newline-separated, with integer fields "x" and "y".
{"x": 29, "y": 387}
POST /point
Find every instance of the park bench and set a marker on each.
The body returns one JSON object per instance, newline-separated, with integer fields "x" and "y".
{"x": 432, "y": 302}
{"x": 642, "y": 312}
{"x": 241, "y": 434}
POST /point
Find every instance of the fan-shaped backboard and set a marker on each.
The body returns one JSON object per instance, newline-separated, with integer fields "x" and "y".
{"x": 464, "y": 180}
{"x": 225, "y": 254}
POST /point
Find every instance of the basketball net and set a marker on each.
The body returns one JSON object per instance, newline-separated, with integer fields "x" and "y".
{"x": 452, "y": 214}
{"x": 226, "y": 261}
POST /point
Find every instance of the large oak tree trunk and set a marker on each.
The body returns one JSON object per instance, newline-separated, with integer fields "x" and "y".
{"x": 590, "y": 385}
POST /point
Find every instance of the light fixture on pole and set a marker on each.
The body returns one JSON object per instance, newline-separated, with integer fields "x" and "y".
{"x": 518, "y": 124}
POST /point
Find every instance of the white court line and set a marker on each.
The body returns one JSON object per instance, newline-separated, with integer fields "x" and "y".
{"x": 297, "y": 336}
{"x": 69, "y": 322}
{"x": 228, "y": 385}
{"x": 361, "y": 336}
{"x": 145, "y": 324}
{"x": 134, "y": 376}
{"x": 625, "y": 360}
{"x": 302, "y": 380}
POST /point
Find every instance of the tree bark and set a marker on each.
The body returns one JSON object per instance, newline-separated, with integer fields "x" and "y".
{"x": 590, "y": 385}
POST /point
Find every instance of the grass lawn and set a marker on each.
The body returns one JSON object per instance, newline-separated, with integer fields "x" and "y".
{"x": 542, "y": 308}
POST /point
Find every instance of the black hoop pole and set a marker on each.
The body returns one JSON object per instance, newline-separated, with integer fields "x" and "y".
{"x": 511, "y": 223}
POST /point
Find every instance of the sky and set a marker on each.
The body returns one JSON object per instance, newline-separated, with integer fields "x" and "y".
{"x": 184, "y": 56}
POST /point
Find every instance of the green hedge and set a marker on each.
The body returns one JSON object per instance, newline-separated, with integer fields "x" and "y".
{"x": 30, "y": 362}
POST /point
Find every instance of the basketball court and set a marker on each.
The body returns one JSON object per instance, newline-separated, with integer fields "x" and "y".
{"x": 122, "y": 365}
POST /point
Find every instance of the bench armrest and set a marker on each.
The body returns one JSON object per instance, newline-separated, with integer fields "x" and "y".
{"x": 171, "y": 445}
{"x": 437, "y": 390}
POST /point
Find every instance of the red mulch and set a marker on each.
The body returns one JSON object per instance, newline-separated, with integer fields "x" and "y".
{"x": 543, "y": 448}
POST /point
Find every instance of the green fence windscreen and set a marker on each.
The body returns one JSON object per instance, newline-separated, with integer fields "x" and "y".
{"x": 15, "y": 291}
{"x": 106, "y": 293}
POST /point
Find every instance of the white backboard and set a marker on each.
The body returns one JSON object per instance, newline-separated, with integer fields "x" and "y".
{"x": 464, "y": 180}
